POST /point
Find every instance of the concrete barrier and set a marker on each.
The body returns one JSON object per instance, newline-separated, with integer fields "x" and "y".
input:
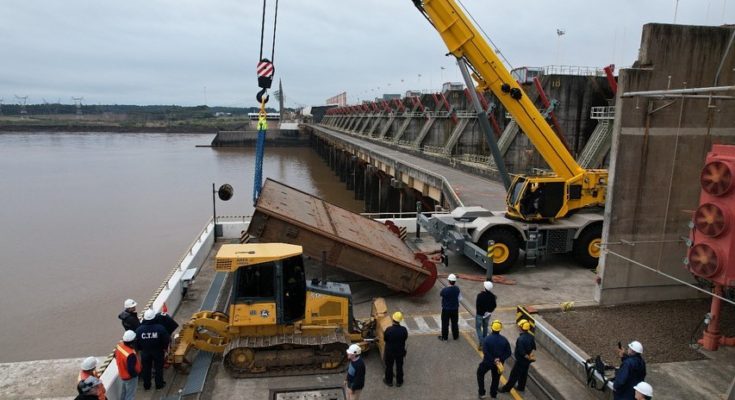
{"x": 170, "y": 293}
{"x": 569, "y": 355}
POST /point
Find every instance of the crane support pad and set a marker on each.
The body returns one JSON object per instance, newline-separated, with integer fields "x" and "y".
{"x": 352, "y": 242}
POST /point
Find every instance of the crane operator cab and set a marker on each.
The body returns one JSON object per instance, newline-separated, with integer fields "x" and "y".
{"x": 532, "y": 198}
{"x": 268, "y": 289}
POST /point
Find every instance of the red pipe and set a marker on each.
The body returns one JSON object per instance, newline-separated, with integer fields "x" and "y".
{"x": 609, "y": 73}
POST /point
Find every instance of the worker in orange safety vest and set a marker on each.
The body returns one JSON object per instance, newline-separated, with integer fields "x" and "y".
{"x": 89, "y": 368}
{"x": 128, "y": 365}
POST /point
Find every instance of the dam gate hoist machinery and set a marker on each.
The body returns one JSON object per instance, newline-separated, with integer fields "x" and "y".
{"x": 277, "y": 322}
{"x": 559, "y": 212}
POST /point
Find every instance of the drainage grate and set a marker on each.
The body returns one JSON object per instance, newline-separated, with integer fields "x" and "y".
{"x": 318, "y": 393}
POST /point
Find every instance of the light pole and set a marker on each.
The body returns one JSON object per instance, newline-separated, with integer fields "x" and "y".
{"x": 224, "y": 193}
{"x": 559, "y": 34}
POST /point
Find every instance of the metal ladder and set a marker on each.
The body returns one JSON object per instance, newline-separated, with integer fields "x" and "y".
{"x": 598, "y": 145}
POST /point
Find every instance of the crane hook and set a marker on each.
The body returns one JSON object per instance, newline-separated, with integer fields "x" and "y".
{"x": 262, "y": 96}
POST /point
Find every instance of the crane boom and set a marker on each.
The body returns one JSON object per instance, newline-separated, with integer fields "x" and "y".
{"x": 530, "y": 198}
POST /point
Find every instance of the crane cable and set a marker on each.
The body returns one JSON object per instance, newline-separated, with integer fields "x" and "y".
{"x": 265, "y": 68}
{"x": 265, "y": 71}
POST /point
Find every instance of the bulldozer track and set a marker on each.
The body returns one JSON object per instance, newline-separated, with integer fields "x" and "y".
{"x": 286, "y": 355}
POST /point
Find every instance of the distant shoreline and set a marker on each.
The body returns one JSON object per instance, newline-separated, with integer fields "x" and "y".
{"x": 112, "y": 129}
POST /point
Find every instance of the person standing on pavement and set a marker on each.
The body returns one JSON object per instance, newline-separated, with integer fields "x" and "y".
{"x": 643, "y": 391}
{"x": 89, "y": 369}
{"x": 525, "y": 345}
{"x": 632, "y": 371}
{"x": 129, "y": 316}
{"x": 450, "y": 308}
{"x": 484, "y": 306}
{"x": 153, "y": 340}
{"x": 355, "y": 380}
{"x": 128, "y": 365}
{"x": 495, "y": 350}
{"x": 395, "y": 349}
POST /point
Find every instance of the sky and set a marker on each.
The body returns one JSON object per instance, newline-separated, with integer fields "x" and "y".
{"x": 188, "y": 52}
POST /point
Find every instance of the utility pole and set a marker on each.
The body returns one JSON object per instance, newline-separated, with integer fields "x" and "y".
{"x": 78, "y": 102}
{"x": 559, "y": 34}
{"x": 1, "y": 106}
{"x": 22, "y": 103}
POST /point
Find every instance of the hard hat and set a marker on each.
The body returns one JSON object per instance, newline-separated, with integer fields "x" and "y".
{"x": 398, "y": 316}
{"x": 636, "y": 346}
{"x": 149, "y": 314}
{"x": 488, "y": 285}
{"x": 89, "y": 364}
{"x": 496, "y": 326}
{"x": 88, "y": 384}
{"x": 452, "y": 278}
{"x": 128, "y": 336}
{"x": 130, "y": 303}
{"x": 644, "y": 389}
{"x": 524, "y": 324}
{"x": 354, "y": 349}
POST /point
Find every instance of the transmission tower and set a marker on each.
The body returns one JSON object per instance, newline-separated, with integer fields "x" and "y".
{"x": 78, "y": 102}
{"x": 22, "y": 103}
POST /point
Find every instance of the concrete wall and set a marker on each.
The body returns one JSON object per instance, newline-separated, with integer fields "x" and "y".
{"x": 658, "y": 150}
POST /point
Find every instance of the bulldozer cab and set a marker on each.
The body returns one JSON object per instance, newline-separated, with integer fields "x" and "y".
{"x": 269, "y": 285}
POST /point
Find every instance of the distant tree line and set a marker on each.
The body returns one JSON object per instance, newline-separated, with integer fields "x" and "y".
{"x": 157, "y": 112}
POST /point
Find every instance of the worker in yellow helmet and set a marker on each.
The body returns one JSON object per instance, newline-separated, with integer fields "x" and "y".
{"x": 495, "y": 350}
{"x": 395, "y": 349}
{"x": 525, "y": 346}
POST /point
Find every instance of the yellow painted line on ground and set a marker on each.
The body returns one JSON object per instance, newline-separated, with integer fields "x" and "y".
{"x": 472, "y": 343}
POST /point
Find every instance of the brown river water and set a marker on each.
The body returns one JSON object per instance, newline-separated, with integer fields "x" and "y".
{"x": 90, "y": 219}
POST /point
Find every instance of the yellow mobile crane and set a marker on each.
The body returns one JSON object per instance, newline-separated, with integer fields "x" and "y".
{"x": 542, "y": 211}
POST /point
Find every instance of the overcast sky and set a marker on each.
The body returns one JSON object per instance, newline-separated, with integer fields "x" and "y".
{"x": 189, "y": 52}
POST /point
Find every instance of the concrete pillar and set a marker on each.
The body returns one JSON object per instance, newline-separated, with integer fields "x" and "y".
{"x": 656, "y": 159}
{"x": 359, "y": 181}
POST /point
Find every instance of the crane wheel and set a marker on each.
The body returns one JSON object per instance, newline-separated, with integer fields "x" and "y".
{"x": 505, "y": 251}
{"x": 586, "y": 248}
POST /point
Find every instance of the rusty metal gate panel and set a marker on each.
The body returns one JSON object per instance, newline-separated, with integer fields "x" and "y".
{"x": 354, "y": 243}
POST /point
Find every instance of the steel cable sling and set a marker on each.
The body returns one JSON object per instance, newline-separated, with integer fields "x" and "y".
{"x": 265, "y": 70}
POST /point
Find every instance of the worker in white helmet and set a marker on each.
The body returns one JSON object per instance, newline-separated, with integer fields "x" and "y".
{"x": 89, "y": 370}
{"x": 643, "y": 391}
{"x": 632, "y": 371}
{"x": 355, "y": 380}
{"x": 450, "y": 308}
{"x": 129, "y": 365}
{"x": 485, "y": 304}
{"x": 152, "y": 340}
{"x": 129, "y": 316}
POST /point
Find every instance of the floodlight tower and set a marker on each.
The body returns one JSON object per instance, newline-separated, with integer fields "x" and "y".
{"x": 78, "y": 102}
{"x": 22, "y": 103}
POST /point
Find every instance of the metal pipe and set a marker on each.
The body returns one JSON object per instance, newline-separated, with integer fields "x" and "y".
{"x": 724, "y": 56}
{"x": 649, "y": 93}
{"x": 484, "y": 123}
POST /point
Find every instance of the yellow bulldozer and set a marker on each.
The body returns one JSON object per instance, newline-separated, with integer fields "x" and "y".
{"x": 278, "y": 323}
